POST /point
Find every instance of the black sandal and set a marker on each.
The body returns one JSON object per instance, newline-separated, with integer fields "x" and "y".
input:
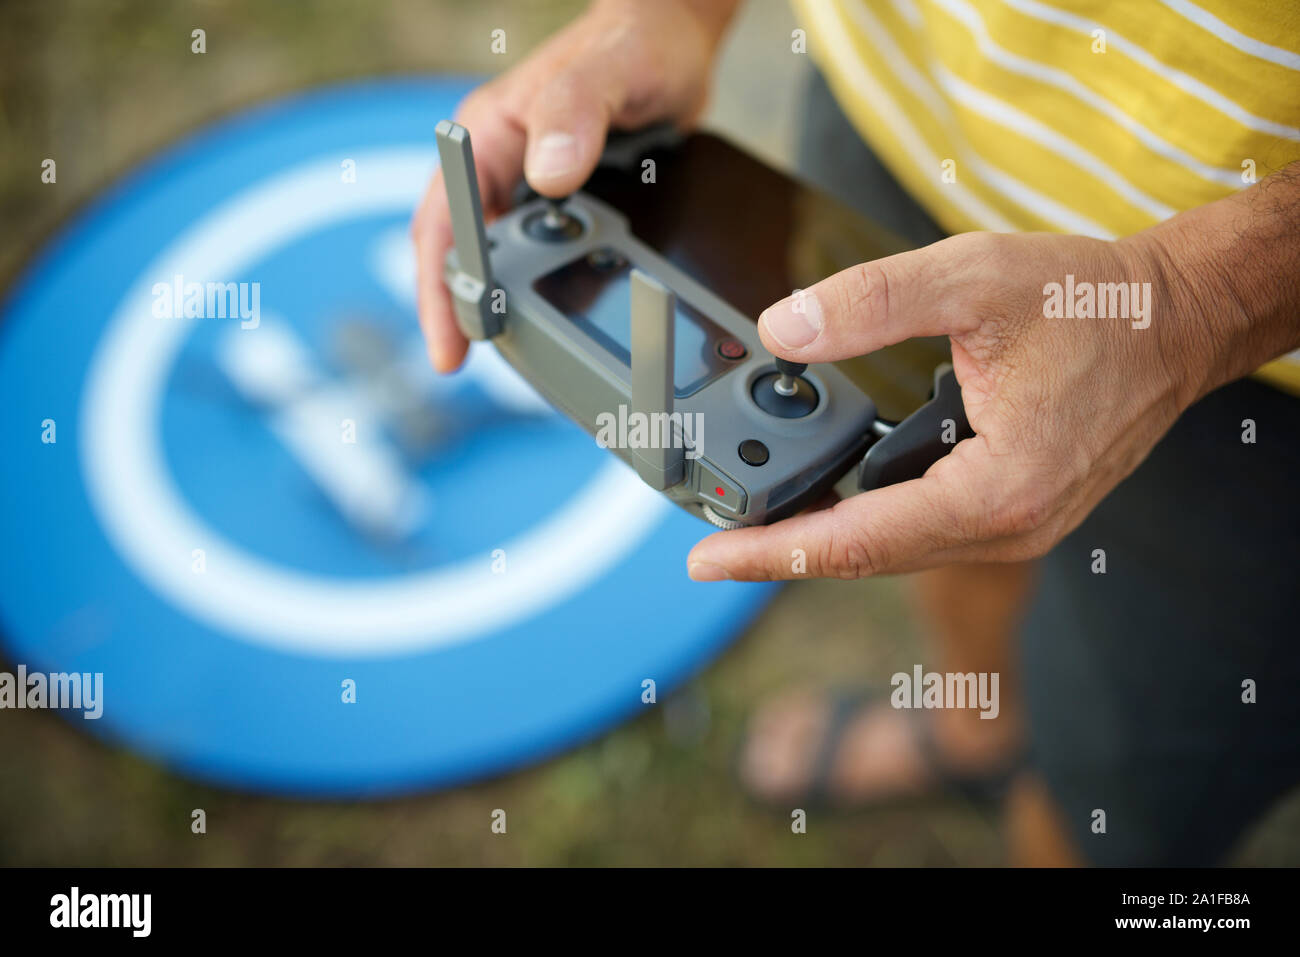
{"x": 984, "y": 786}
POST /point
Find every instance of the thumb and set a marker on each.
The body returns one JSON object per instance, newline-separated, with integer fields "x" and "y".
{"x": 567, "y": 123}
{"x": 872, "y": 305}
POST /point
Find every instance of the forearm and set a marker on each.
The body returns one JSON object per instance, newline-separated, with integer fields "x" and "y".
{"x": 713, "y": 16}
{"x": 1231, "y": 270}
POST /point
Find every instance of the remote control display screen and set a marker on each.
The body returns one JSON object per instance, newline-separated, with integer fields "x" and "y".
{"x": 595, "y": 293}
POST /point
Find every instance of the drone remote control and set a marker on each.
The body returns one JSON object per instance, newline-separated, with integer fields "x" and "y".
{"x": 663, "y": 372}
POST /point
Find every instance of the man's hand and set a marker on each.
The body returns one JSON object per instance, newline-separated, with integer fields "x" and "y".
{"x": 1063, "y": 408}
{"x": 622, "y": 64}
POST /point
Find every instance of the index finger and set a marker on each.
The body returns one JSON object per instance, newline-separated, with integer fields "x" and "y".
{"x": 431, "y": 232}
{"x": 937, "y": 519}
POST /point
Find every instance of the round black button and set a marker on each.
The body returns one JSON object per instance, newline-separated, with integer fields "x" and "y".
{"x": 753, "y": 452}
{"x": 732, "y": 349}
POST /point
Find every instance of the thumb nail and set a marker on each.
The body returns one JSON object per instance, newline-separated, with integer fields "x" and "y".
{"x": 794, "y": 322}
{"x": 552, "y": 156}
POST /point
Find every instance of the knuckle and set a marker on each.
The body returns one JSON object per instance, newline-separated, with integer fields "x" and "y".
{"x": 762, "y": 567}
{"x": 986, "y": 250}
{"x": 561, "y": 92}
{"x": 865, "y": 291}
{"x": 846, "y": 553}
{"x": 976, "y": 264}
{"x": 1017, "y": 511}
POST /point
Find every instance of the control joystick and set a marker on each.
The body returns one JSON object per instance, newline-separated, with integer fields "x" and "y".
{"x": 785, "y": 393}
{"x": 788, "y": 384}
{"x": 553, "y": 224}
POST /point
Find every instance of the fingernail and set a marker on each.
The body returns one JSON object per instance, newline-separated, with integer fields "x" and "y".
{"x": 794, "y": 322}
{"x": 707, "y": 572}
{"x": 554, "y": 155}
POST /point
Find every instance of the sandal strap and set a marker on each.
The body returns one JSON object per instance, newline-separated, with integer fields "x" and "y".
{"x": 986, "y": 785}
{"x": 844, "y": 707}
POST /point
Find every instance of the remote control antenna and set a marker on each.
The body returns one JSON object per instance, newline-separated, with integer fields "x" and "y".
{"x": 472, "y": 282}
{"x": 654, "y": 319}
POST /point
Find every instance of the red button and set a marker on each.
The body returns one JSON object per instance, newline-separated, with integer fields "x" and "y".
{"x": 731, "y": 349}
{"x": 720, "y": 491}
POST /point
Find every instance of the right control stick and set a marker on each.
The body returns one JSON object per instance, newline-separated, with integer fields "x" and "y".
{"x": 785, "y": 393}
{"x": 788, "y": 383}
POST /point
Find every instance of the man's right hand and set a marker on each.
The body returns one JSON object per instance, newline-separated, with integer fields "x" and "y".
{"x": 622, "y": 64}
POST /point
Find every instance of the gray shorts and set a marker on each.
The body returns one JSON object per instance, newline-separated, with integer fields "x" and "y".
{"x": 1136, "y": 680}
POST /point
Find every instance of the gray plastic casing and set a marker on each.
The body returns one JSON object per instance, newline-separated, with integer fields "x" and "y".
{"x": 584, "y": 380}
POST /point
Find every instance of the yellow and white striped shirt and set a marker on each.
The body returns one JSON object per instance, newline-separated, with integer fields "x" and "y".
{"x": 1099, "y": 118}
